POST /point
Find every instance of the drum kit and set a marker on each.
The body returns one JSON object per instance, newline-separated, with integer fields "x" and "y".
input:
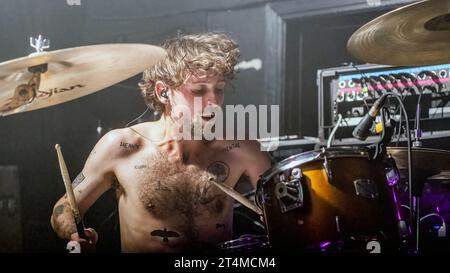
{"x": 347, "y": 199}
{"x": 342, "y": 199}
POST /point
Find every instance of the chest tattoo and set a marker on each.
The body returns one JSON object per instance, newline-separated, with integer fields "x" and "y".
{"x": 182, "y": 192}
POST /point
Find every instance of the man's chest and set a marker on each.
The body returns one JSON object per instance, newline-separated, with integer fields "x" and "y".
{"x": 182, "y": 189}
{"x": 157, "y": 168}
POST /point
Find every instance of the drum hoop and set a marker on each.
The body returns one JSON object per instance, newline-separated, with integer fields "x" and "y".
{"x": 313, "y": 156}
{"x": 245, "y": 241}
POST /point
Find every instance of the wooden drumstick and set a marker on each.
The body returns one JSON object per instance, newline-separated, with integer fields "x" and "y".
{"x": 70, "y": 194}
{"x": 237, "y": 196}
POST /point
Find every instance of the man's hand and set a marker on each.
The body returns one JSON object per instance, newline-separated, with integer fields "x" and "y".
{"x": 87, "y": 246}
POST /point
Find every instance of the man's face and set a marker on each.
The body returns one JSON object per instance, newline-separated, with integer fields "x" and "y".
{"x": 208, "y": 89}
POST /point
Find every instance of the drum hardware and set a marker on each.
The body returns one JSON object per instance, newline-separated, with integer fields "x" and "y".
{"x": 26, "y": 93}
{"x": 331, "y": 246}
{"x": 428, "y": 165}
{"x": 262, "y": 199}
{"x": 393, "y": 178}
{"x": 290, "y": 193}
{"x": 39, "y": 44}
{"x": 246, "y": 242}
{"x": 379, "y": 148}
{"x": 338, "y": 225}
{"x": 332, "y": 213}
{"x": 417, "y": 191}
{"x": 392, "y": 172}
{"x": 327, "y": 167}
{"x": 366, "y": 188}
{"x": 417, "y": 131}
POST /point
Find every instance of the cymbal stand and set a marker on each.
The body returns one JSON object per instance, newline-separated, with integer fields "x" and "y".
{"x": 416, "y": 190}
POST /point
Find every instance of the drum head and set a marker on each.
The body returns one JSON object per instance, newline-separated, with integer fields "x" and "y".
{"x": 312, "y": 156}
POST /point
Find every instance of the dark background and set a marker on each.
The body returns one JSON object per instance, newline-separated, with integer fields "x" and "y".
{"x": 292, "y": 39}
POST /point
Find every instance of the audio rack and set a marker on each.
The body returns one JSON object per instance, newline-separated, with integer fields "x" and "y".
{"x": 350, "y": 90}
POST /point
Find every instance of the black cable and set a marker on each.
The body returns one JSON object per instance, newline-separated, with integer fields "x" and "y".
{"x": 409, "y": 158}
{"x": 399, "y": 126}
{"x": 408, "y": 133}
{"x": 363, "y": 82}
{"x": 400, "y": 123}
{"x": 417, "y": 119}
{"x": 384, "y": 111}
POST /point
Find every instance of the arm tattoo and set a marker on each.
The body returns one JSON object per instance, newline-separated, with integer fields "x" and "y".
{"x": 58, "y": 210}
{"x": 220, "y": 169}
{"x": 220, "y": 226}
{"x": 166, "y": 234}
{"x": 78, "y": 180}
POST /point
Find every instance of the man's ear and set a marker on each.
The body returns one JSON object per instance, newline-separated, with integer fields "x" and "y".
{"x": 162, "y": 92}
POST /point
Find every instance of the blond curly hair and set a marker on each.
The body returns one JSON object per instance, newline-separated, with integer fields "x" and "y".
{"x": 212, "y": 53}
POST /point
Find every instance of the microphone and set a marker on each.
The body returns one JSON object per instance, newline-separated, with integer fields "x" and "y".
{"x": 362, "y": 130}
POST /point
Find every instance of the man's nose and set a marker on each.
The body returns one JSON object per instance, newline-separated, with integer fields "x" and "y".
{"x": 211, "y": 101}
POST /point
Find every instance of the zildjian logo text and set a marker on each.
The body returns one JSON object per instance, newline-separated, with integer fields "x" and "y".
{"x": 47, "y": 94}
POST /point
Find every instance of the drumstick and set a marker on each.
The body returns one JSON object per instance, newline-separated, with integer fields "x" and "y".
{"x": 237, "y": 196}
{"x": 70, "y": 194}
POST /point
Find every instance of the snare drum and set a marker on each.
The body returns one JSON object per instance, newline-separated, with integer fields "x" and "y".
{"x": 331, "y": 199}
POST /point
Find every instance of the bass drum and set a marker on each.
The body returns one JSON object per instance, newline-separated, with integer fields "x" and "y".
{"x": 336, "y": 199}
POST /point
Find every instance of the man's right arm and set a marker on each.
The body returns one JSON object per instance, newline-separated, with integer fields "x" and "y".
{"x": 96, "y": 177}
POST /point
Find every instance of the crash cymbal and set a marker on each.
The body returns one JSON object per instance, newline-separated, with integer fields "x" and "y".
{"x": 417, "y": 34}
{"x": 426, "y": 162}
{"x": 70, "y": 73}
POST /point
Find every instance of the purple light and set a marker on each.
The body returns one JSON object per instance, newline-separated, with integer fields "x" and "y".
{"x": 325, "y": 244}
{"x": 397, "y": 206}
{"x": 392, "y": 177}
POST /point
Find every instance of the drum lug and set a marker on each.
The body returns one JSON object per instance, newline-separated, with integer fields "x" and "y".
{"x": 327, "y": 168}
{"x": 366, "y": 188}
{"x": 391, "y": 171}
{"x": 266, "y": 199}
{"x": 290, "y": 193}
